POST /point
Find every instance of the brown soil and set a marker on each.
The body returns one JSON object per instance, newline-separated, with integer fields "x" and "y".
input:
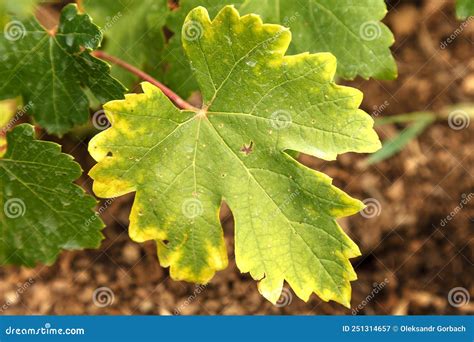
{"x": 406, "y": 248}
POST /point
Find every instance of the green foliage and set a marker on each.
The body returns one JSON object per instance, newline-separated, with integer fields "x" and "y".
{"x": 51, "y": 71}
{"x": 464, "y": 8}
{"x": 20, "y": 8}
{"x": 133, "y": 31}
{"x": 41, "y": 210}
{"x": 349, "y": 29}
{"x": 177, "y": 72}
{"x": 258, "y": 103}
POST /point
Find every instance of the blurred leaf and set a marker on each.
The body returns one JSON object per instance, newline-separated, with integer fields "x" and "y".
{"x": 464, "y": 8}
{"x": 391, "y": 147}
{"x": 134, "y": 32}
{"x": 18, "y": 8}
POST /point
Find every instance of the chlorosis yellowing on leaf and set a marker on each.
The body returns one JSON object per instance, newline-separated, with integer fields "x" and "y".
{"x": 257, "y": 103}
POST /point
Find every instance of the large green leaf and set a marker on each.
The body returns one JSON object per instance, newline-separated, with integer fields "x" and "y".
{"x": 51, "y": 71}
{"x": 349, "y": 29}
{"x": 41, "y": 210}
{"x": 183, "y": 164}
{"x": 134, "y": 31}
{"x": 464, "y": 8}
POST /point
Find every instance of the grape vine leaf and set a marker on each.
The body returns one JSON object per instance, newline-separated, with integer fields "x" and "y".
{"x": 182, "y": 163}
{"x": 175, "y": 65}
{"x": 349, "y": 29}
{"x": 134, "y": 32}
{"x": 464, "y": 8}
{"x": 50, "y": 70}
{"x": 41, "y": 210}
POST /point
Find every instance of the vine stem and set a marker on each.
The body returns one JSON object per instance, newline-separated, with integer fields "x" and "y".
{"x": 144, "y": 76}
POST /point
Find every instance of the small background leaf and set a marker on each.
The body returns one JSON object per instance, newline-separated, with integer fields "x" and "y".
{"x": 50, "y": 71}
{"x": 41, "y": 210}
{"x": 464, "y": 8}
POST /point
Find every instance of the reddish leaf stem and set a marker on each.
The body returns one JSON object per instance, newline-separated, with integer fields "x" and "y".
{"x": 144, "y": 76}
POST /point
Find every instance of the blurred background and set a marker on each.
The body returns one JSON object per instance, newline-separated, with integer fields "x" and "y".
{"x": 416, "y": 235}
